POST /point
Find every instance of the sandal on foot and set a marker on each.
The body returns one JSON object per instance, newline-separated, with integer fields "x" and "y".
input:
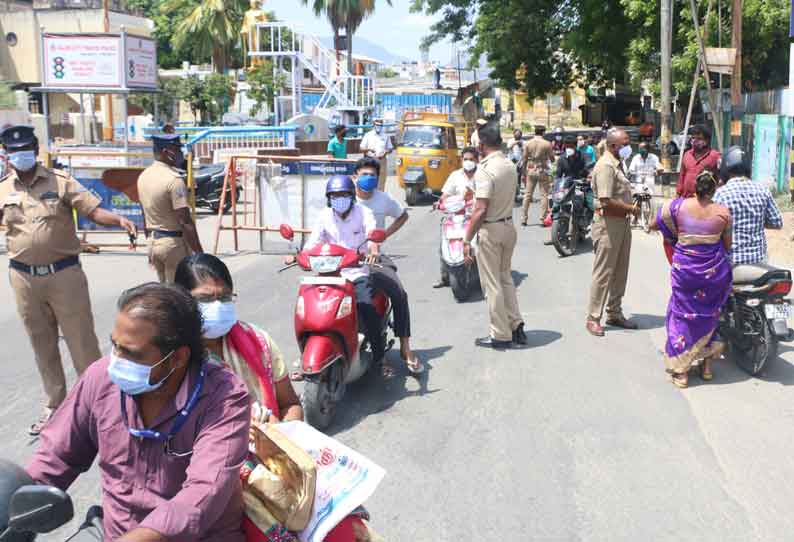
{"x": 387, "y": 371}
{"x": 415, "y": 367}
{"x": 704, "y": 374}
{"x": 679, "y": 380}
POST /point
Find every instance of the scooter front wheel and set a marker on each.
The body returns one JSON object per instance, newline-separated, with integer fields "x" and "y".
{"x": 321, "y": 392}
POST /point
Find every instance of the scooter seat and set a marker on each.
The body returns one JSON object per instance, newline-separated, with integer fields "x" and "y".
{"x": 758, "y": 274}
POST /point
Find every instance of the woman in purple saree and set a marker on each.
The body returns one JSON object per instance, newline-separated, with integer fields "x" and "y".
{"x": 700, "y": 231}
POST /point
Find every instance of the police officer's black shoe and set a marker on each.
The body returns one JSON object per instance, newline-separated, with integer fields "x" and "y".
{"x": 519, "y": 337}
{"x": 489, "y": 342}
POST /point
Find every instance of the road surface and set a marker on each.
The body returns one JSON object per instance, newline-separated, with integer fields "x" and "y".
{"x": 574, "y": 438}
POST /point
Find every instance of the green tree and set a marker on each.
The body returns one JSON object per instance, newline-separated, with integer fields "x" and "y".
{"x": 218, "y": 92}
{"x": 208, "y": 28}
{"x": 167, "y": 99}
{"x": 168, "y": 56}
{"x": 263, "y": 86}
{"x": 347, "y": 15}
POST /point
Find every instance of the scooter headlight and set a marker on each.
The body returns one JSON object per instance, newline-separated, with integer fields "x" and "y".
{"x": 434, "y": 164}
{"x": 345, "y": 307}
{"x": 299, "y": 307}
{"x": 325, "y": 264}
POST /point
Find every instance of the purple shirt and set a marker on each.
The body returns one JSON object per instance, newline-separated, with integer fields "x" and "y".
{"x": 185, "y": 499}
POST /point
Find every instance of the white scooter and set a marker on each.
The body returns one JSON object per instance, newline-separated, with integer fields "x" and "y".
{"x": 462, "y": 278}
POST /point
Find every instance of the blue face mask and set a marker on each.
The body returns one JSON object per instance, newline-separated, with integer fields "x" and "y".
{"x": 219, "y": 317}
{"x": 22, "y": 160}
{"x": 367, "y": 182}
{"x": 133, "y": 378}
{"x": 341, "y": 204}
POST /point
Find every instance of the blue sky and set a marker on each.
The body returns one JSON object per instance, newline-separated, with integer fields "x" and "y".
{"x": 393, "y": 27}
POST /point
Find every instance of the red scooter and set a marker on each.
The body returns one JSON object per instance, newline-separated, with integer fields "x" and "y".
{"x": 334, "y": 352}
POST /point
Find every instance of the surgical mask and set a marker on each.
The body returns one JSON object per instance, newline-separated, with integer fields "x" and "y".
{"x": 378, "y": 129}
{"x": 625, "y": 152}
{"x": 22, "y": 160}
{"x": 341, "y": 204}
{"x": 367, "y": 182}
{"x": 133, "y": 378}
{"x": 569, "y": 152}
{"x": 469, "y": 165}
{"x": 580, "y": 144}
{"x": 644, "y": 153}
{"x": 219, "y": 317}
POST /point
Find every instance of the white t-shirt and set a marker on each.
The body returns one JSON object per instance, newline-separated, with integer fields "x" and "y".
{"x": 382, "y": 205}
{"x": 457, "y": 184}
{"x": 647, "y": 166}
{"x": 349, "y": 233}
{"x": 375, "y": 144}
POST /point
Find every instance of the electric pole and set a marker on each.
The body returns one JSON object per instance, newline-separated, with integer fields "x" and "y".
{"x": 736, "y": 77}
{"x": 107, "y": 105}
{"x": 666, "y": 46}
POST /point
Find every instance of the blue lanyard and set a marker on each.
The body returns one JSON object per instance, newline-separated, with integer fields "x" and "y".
{"x": 181, "y": 417}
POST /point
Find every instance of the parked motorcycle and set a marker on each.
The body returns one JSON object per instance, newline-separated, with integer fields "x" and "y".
{"x": 334, "y": 352}
{"x": 209, "y": 184}
{"x": 572, "y": 213}
{"x": 463, "y": 279}
{"x": 642, "y": 196}
{"x": 755, "y": 319}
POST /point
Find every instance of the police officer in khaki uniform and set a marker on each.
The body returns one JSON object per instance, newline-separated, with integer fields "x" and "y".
{"x": 495, "y": 187}
{"x": 611, "y": 234}
{"x": 538, "y": 153}
{"x": 44, "y": 269}
{"x": 163, "y": 195}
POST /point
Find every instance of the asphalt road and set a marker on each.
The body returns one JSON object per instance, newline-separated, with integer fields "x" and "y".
{"x": 573, "y": 438}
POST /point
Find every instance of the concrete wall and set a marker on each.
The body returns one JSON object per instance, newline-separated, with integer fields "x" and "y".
{"x": 21, "y": 63}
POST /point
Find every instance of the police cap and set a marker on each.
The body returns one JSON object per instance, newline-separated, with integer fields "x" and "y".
{"x": 161, "y": 141}
{"x": 16, "y": 137}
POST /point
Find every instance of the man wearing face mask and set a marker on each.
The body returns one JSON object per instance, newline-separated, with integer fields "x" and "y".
{"x": 587, "y": 150}
{"x": 461, "y": 181}
{"x": 348, "y": 224}
{"x": 376, "y": 144}
{"x": 169, "y": 430}
{"x": 44, "y": 268}
{"x": 538, "y": 154}
{"x": 645, "y": 163}
{"x": 700, "y": 157}
{"x": 611, "y": 234}
{"x": 163, "y": 195}
{"x": 571, "y": 163}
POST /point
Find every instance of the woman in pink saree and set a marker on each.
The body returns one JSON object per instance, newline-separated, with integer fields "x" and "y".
{"x": 700, "y": 232}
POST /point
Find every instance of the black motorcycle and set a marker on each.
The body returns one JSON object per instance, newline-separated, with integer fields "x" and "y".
{"x": 571, "y": 212}
{"x": 209, "y": 184}
{"x": 755, "y": 319}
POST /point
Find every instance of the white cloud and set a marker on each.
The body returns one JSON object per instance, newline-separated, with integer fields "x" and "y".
{"x": 418, "y": 20}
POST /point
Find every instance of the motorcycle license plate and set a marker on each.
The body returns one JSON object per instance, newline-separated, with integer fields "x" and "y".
{"x": 777, "y": 311}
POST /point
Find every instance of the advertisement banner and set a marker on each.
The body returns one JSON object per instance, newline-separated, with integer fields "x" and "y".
{"x": 77, "y": 61}
{"x": 141, "y": 62}
{"x": 765, "y": 150}
{"x": 113, "y": 201}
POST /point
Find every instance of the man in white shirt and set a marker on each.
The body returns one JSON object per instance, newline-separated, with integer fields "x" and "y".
{"x": 461, "y": 181}
{"x": 645, "y": 164}
{"x": 348, "y": 225}
{"x": 376, "y": 144}
{"x": 384, "y": 276}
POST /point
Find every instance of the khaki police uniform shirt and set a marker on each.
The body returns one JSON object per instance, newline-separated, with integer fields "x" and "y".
{"x": 538, "y": 152}
{"x": 495, "y": 180}
{"x": 609, "y": 180}
{"x": 162, "y": 192}
{"x": 38, "y": 216}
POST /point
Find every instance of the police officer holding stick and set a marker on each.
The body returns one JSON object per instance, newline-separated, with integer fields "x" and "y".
{"x": 495, "y": 187}
{"x": 50, "y": 287}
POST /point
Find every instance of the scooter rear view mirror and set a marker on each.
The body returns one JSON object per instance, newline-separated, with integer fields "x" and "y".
{"x": 287, "y": 232}
{"x": 39, "y": 509}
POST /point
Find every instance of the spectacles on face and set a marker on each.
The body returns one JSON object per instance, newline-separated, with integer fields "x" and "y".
{"x": 210, "y": 298}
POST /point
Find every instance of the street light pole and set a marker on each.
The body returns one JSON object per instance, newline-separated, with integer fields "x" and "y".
{"x": 666, "y": 46}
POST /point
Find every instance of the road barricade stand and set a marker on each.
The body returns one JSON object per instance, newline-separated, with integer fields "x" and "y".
{"x": 288, "y": 189}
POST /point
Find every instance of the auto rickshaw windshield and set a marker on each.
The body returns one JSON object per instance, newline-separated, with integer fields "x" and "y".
{"x": 424, "y": 137}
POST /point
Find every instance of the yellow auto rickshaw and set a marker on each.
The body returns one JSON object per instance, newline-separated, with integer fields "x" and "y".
{"x": 427, "y": 152}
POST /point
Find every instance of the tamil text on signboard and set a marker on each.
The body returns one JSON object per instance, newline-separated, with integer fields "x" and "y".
{"x": 141, "y": 61}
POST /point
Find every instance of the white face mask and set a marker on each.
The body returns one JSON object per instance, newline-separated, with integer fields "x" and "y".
{"x": 580, "y": 144}
{"x": 219, "y": 317}
{"x": 22, "y": 160}
{"x": 569, "y": 152}
{"x": 624, "y": 152}
{"x": 469, "y": 165}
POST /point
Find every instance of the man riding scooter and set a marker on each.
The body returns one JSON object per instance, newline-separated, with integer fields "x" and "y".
{"x": 348, "y": 225}
{"x": 571, "y": 163}
{"x": 384, "y": 276}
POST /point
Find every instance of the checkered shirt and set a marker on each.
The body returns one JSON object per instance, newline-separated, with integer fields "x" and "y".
{"x": 752, "y": 207}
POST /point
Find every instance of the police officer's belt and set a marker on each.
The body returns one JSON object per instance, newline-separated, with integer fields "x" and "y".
{"x": 44, "y": 270}
{"x": 495, "y": 220}
{"x": 159, "y": 234}
{"x": 612, "y": 213}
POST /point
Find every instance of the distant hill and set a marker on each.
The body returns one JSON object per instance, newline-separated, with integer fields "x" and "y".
{"x": 362, "y": 46}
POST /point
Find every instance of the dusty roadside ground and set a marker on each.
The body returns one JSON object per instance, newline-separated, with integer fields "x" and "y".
{"x": 780, "y": 245}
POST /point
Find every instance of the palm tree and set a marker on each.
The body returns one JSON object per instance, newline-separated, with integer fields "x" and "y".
{"x": 210, "y": 28}
{"x": 347, "y": 15}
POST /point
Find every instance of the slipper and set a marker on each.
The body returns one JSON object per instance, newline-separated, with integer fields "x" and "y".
{"x": 296, "y": 376}
{"x": 388, "y": 372}
{"x": 415, "y": 367}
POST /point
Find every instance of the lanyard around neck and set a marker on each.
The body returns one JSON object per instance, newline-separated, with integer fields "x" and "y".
{"x": 181, "y": 416}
